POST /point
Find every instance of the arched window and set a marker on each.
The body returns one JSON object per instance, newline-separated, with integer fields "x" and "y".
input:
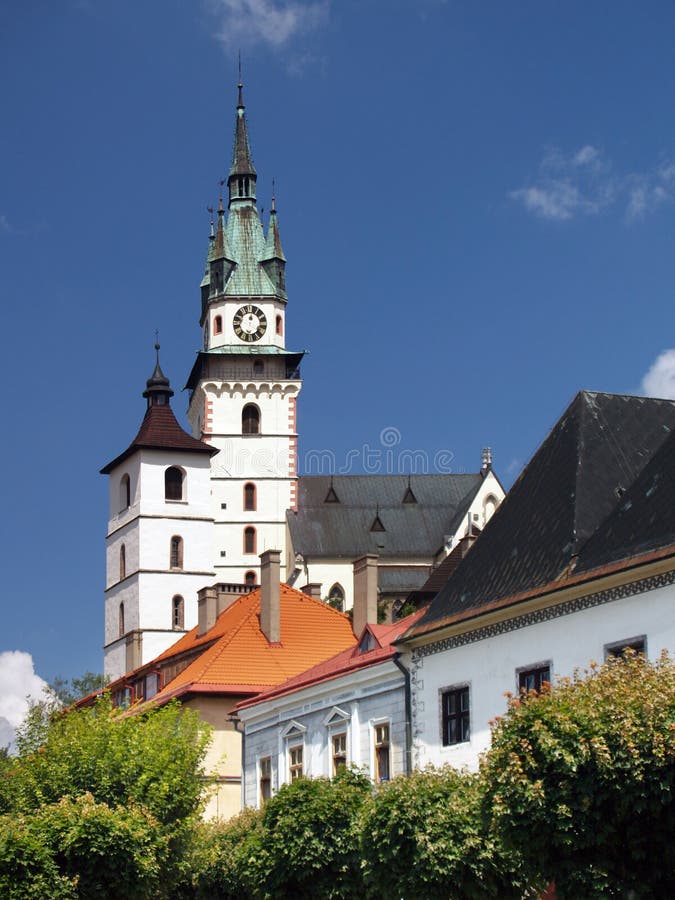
{"x": 173, "y": 483}
{"x": 280, "y": 325}
{"x": 218, "y": 325}
{"x": 336, "y": 597}
{"x": 176, "y": 552}
{"x": 249, "y": 497}
{"x": 249, "y": 539}
{"x": 178, "y": 612}
{"x": 489, "y": 507}
{"x": 249, "y": 579}
{"x": 250, "y": 419}
{"x": 125, "y": 492}
{"x": 123, "y": 562}
{"x": 258, "y": 367}
{"x": 120, "y": 624}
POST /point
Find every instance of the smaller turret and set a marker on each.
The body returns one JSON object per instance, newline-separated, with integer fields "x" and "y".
{"x": 158, "y": 389}
{"x": 273, "y": 260}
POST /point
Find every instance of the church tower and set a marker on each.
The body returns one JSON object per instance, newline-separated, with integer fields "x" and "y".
{"x": 245, "y": 383}
{"x": 158, "y": 545}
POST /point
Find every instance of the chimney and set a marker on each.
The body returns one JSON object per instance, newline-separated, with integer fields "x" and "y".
{"x": 228, "y": 593}
{"x": 486, "y": 461}
{"x": 365, "y": 592}
{"x": 207, "y": 609}
{"x": 134, "y": 650}
{"x": 312, "y": 590}
{"x": 270, "y": 609}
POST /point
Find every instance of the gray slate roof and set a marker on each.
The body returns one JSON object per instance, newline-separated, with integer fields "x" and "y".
{"x": 564, "y": 510}
{"x": 342, "y": 530}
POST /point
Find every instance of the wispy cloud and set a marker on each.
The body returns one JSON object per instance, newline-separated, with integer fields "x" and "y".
{"x": 19, "y": 684}
{"x": 586, "y": 183}
{"x": 273, "y": 23}
{"x": 5, "y": 225}
{"x": 660, "y": 378}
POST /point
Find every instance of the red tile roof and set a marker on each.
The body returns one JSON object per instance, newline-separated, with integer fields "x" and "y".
{"x": 238, "y": 658}
{"x": 160, "y": 431}
{"x": 349, "y": 660}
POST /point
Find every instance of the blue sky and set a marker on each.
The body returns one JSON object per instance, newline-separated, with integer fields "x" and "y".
{"x": 476, "y": 200}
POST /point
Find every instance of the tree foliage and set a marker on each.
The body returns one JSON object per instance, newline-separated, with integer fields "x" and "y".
{"x": 422, "y": 836}
{"x": 98, "y": 798}
{"x": 581, "y": 780}
{"x": 69, "y": 690}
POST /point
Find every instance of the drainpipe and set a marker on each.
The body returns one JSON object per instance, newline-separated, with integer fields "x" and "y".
{"x": 408, "y": 712}
{"x": 236, "y": 722}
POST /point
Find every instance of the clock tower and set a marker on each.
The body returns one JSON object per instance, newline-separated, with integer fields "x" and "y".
{"x": 244, "y": 384}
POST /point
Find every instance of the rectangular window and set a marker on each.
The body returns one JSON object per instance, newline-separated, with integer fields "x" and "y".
{"x": 265, "y": 779}
{"x": 534, "y": 679}
{"x": 455, "y": 716}
{"x": 382, "y": 768}
{"x": 295, "y": 762}
{"x": 339, "y": 742}
{"x": 151, "y": 685}
{"x": 637, "y": 644}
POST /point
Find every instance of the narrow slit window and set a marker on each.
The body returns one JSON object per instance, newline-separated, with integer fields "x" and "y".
{"x": 249, "y": 497}
{"x": 176, "y": 552}
{"x": 249, "y": 540}
{"x": 178, "y": 612}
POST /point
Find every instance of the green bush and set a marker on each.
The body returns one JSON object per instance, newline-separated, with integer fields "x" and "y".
{"x": 28, "y": 870}
{"x": 223, "y": 857}
{"x": 581, "y": 781}
{"x": 422, "y": 836}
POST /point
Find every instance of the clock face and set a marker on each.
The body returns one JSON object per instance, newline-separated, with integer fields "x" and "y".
{"x": 249, "y": 323}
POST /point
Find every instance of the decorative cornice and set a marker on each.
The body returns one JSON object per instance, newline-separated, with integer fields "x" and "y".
{"x": 544, "y": 615}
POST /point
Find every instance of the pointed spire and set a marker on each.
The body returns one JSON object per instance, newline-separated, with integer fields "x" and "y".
{"x": 157, "y": 388}
{"x": 242, "y": 177}
{"x": 273, "y": 242}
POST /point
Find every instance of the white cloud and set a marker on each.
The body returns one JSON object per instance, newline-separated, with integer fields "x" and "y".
{"x": 19, "y": 683}
{"x": 660, "y": 379}
{"x": 5, "y": 226}
{"x": 274, "y": 23}
{"x": 585, "y": 183}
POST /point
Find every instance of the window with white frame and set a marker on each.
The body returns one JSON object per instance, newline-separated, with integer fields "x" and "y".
{"x": 294, "y": 740}
{"x": 381, "y": 737}
{"x": 337, "y": 722}
{"x": 295, "y": 762}
{"x": 265, "y": 779}
{"x": 339, "y": 752}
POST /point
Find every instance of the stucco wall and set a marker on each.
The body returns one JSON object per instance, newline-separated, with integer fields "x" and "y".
{"x": 488, "y": 666}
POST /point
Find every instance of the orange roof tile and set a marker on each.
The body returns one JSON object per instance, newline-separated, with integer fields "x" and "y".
{"x": 238, "y": 658}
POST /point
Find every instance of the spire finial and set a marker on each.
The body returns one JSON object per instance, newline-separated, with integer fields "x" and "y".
{"x": 240, "y": 85}
{"x": 274, "y": 199}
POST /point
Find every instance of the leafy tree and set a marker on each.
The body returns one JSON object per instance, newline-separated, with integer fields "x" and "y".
{"x": 310, "y": 845}
{"x": 69, "y": 691}
{"x": 84, "y": 849}
{"x": 152, "y": 759}
{"x": 223, "y": 857}
{"x": 95, "y": 776}
{"x": 581, "y": 780}
{"x": 422, "y": 836}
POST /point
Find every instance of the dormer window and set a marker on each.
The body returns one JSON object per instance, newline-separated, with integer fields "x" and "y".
{"x": 367, "y": 643}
